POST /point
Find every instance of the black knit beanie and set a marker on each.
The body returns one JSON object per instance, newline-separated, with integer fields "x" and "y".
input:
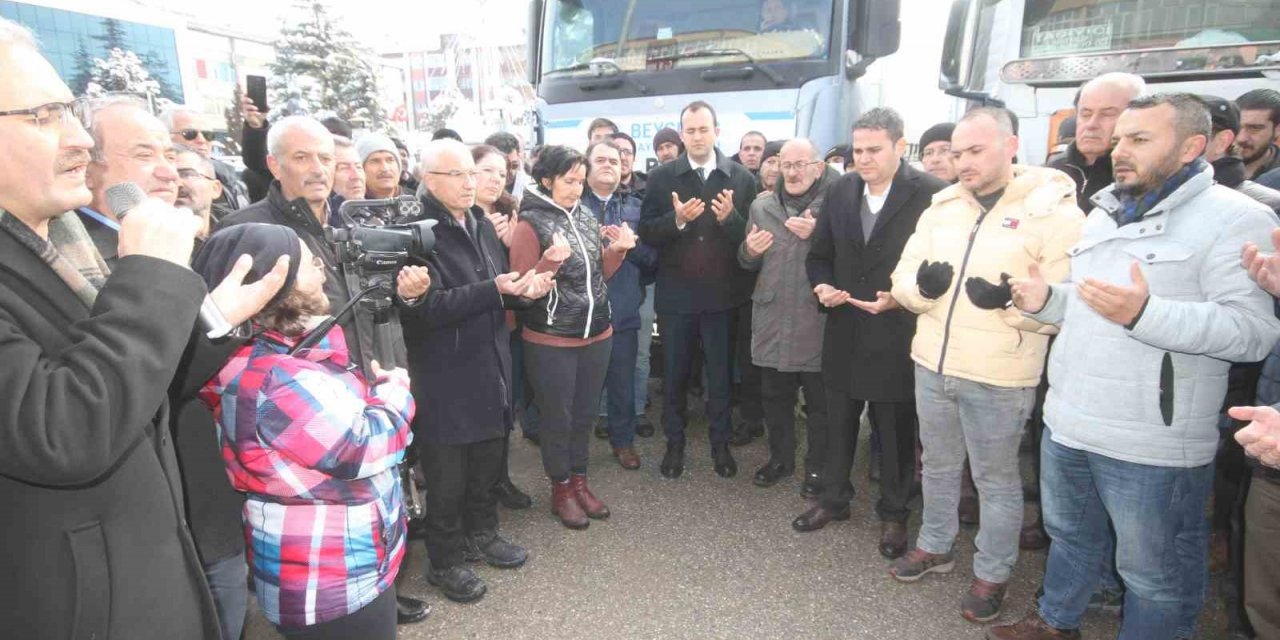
{"x": 940, "y": 132}
{"x": 265, "y": 243}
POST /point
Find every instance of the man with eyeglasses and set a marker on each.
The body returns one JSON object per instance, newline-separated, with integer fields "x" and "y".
{"x": 130, "y": 145}
{"x": 96, "y": 530}
{"x": 198, "y": 188}
{"x": 632, "y": 181}
{"x": 183, "y": 126}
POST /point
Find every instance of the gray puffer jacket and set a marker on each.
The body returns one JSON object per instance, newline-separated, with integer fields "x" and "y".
{"x": 1151, "y": 394}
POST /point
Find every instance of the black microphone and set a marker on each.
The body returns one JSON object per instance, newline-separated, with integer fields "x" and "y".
{"x": 122, "y": 198}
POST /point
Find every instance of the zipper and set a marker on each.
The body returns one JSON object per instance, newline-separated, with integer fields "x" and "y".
{"x": 586, "y": 263}
{"x": 955, "y": 296}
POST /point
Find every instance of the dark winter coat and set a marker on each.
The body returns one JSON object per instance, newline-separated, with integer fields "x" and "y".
{"x": 578, "y": 306}
{"x": 698, "y": 269}
{"x": 1089, "y": 179}
{"x": 865, "y": 355}
{"x": 458, "y": 340}
{"x": 626, "y": 287}
{"x": 96, "y": 545}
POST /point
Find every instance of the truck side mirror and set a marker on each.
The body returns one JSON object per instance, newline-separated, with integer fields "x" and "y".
{"x": 874, "y": 28}
{"x": 534, "y": 53}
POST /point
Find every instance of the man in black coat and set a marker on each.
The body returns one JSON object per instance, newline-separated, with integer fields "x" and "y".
{"x": 695, "y": 212}
{"x": 94, "y": 536}
{"x": 460, "y": 366}
{"x": 866, "y": 356}
{"x": 1098, "y": 106}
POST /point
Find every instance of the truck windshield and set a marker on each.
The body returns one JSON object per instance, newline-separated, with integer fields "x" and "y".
{"x": 1068, "y": 27}
{"x": 654, "y": 35}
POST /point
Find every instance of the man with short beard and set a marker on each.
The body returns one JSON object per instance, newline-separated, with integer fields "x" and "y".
{"x": 1259, "y": 118}
{"x": 1155, "y": 310}
{"x": 380, "y": 162}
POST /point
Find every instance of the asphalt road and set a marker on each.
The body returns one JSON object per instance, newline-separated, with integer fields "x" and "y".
{"x": 706, "y": 557}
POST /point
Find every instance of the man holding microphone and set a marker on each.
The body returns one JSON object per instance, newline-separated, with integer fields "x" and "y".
{"x": 87, "y": 468}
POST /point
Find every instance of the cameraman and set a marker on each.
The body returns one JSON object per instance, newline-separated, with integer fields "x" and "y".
{"x": 302, "y": 159}
{"x": 460, "y": 364}
{"x": 96, "y": 544}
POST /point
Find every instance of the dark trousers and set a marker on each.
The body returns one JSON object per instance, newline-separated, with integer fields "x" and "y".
{"x": 521, "y": 391}
{"x": 620, "y": 388}
{"x": 750, "y": 396}
{"x": 228, "y": 585}
{"x": 1262, "y": 555}
{"x": 566, "y": 387}
{"x": 680, "y": 332}
{"x": 779, "y": 398}
{"x": 374, "y": 621}
{"x": 459, "y": 502}
{"x": 896, "y": 422}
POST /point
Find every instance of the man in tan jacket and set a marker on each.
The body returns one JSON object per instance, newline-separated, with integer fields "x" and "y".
{"x": 978, "y": 360}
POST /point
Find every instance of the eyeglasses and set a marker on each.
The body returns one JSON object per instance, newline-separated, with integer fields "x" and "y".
{"x": 455, "y": 173}
{"x": 54, "y": 113}
{"x": 190, "y": 134}
{"x": 187, "y": 174}
{"x": 788, "y": 167}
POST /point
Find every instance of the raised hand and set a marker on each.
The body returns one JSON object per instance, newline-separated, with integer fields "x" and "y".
{"x": 689, "y": 210}
{"x": 801, "y": 225}
{"x": 1261, "y": 437}
{"x": 413, "y": 282}
{"x": 502, "y": 226}
{"x": 539, "y": 285}
{"x": 1264, "y": 268}
{"x": 934, "y": 278}
{"x": 1119, "y": 304}
{"x": 722, "y": 206}
{"x": 1030, "y": 293}
{"x": 883, "y": 302}
{"x": 559, "y": 250}
{"x": 830, "y": 296}
{"x": 252, "y": 116}
{"x": 985, "y": 295}
{"x": 758, "y": 241}
{"x": 621, "y": 237}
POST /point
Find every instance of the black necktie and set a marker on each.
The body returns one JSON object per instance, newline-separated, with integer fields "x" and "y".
{"x": 702, "y": 175}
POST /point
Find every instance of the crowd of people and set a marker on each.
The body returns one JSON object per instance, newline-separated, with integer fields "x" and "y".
{"x": 1115, "y": 307}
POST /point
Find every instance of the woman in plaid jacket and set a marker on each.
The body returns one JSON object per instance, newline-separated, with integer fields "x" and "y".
{"x": 314, "y": 447}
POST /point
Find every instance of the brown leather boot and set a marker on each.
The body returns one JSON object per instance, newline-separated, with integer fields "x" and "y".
{"x": 590, "y": 504}
{"x": 565, "y": 505}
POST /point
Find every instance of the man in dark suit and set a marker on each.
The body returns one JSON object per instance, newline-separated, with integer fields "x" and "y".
{"x": 95, "y": 538}
{"x": 861, "y": 231}
{"x": 694, "y": 213}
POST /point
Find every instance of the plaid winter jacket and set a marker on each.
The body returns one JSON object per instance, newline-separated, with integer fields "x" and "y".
{"x": 314, "y": 447}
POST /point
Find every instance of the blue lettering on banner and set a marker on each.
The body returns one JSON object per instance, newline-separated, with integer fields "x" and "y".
{"x": 647, "y": 130}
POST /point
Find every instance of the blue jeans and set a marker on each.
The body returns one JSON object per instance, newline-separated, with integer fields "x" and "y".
{"x": 1154, "y": 512}
{"x": 961, "y": 417}
{"x": 620, "y": 388}
{"x": 228, "y": 583}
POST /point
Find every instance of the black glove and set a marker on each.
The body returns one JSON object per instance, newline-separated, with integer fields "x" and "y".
{"x": 985, "y": 295}
{"x": 934, "y": 279}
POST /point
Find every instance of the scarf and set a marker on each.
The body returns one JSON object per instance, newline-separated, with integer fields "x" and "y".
{"x": 1134, "y": 208}
{"x": 69, "y": 252}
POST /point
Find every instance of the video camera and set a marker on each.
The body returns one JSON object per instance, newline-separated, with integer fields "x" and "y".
{"x": 381, "y": 236}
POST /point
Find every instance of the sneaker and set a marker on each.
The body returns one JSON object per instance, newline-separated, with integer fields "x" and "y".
{"x": 982, "y": 603}
{"x": 1107, "y": 600}
{"x": 918, "y": 563}
{"x": 1031, "y": 628}
{"x": 458, "y": 583}
{"x": 496, "y": 550}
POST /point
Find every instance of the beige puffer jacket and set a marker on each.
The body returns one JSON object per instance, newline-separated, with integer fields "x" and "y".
{"x": 1036, "y": 220}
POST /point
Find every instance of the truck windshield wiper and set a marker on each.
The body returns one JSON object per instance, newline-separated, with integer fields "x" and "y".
{"x": 601, "y": 79}
{"x": 751, "y": 62}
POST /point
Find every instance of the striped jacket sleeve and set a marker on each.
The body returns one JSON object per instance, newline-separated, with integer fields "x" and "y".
{"x": 314, "y": 418}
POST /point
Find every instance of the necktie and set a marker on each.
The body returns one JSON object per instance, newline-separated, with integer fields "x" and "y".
{"x": 702, "y": 175}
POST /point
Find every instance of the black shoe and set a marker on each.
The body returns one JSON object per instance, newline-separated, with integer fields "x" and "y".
{"x": 770, "y": 474}
{"x": 602, "y": 428}
{"x": 746, "y": 433}
{"x": 726, "y": 466}
{"x": 818, "y": 517}
{"x": 410, "y": 610}
{"x": 811, "y": 487}
{"x": 496, "y": 550}
{"x": 458, "y": 583}
{"x": 510, "y": 495}
{"x": 644, "y": 428}
{"x": 416, "y": 529}
{"x": 673, "y": 461}
{"x": 531, "y": 437}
